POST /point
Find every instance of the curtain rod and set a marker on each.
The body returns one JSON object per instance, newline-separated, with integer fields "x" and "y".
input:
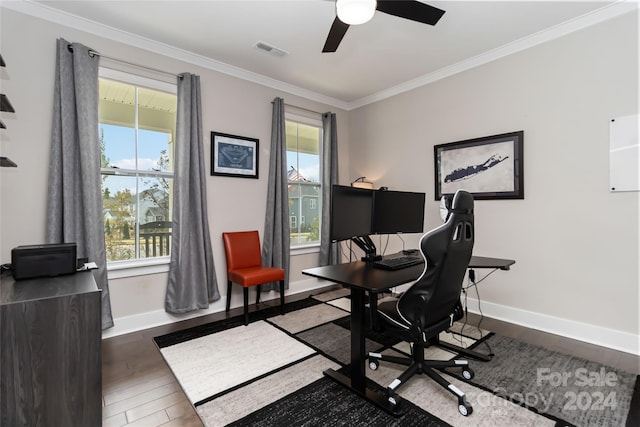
{"x": 304, "y": 109}
{"x": 93, "y": 53}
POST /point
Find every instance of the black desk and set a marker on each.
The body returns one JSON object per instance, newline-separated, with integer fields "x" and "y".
{"x": 361, "y": 277}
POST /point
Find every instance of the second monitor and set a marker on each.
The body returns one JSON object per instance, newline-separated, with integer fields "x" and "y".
{"x": 357, "y": 213}
{"x": 397, "y": 212}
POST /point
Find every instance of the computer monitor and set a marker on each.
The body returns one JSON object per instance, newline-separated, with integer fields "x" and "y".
{"x": 398, "y": 212}
{"x": 351, "y": 212}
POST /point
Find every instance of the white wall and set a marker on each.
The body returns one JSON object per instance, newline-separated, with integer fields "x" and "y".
{"x": 575, "y": 242}
{"x": 229, "y": 104}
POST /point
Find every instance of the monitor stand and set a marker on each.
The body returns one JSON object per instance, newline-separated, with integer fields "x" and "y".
{"x": 366, "y": 244}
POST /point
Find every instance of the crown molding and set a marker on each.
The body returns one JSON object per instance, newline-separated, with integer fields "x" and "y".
{"x": 45, "y": 12}
{"x": 42, "y": 11}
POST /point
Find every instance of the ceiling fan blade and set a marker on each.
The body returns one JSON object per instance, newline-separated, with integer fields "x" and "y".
{"x": 412, "y": 10}
{"x": 336, "y": 33}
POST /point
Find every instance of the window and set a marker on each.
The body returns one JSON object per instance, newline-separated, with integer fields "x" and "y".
{"x": 303, "y": 136}
{"x": 137, "y": 133}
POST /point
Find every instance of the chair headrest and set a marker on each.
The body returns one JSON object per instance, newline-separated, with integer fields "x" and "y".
{"x": 462, "y": 202}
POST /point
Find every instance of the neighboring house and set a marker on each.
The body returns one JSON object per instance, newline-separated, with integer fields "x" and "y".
{"x": 153, "y": 214}
{"x": 304, "y": 200}
{"x": 108, "y": 215}
{"x": 113, "y": 217}
{"x": 154, "y": 205}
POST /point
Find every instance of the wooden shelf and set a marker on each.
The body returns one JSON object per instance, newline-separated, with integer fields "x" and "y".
{"x": 6, "y": 162}
{"x": 5, "y": 105}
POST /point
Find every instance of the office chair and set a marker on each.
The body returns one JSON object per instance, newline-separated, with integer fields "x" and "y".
{"x": 432, "y": 303}
{"x": 244, "y": 267}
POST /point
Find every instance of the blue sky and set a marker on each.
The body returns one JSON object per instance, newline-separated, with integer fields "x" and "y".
{"x": 120, "y": 146}
{"x": 120, "y": 149}
{"x": 308, "y": 165}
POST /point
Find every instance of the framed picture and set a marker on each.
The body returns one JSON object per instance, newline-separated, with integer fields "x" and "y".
{"x": 233, "y": 155}
{"x": 489, "y": 167}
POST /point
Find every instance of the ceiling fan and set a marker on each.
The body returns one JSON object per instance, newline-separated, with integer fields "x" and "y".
{"x": 354, "y": 12}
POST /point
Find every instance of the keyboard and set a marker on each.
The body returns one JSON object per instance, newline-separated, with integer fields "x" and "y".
{"x": 397, "y": 263}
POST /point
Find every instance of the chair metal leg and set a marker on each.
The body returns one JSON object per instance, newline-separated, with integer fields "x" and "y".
{"x": 245, "y": 292}
{"x": 281, "y": 296}
{"x": 405, "y": 361}
{"x": 464, "y": 351}
{"x": 228, "y": 294}
{"x": 463, "y": 406}
{"x": 417, "y": 365}
{"x": 258, "y": 294}
{"x": 412, "y": 370}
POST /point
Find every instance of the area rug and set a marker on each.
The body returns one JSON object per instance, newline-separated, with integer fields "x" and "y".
{"x": 572, "y": 389}
{"x": 248, "y": 352}
{"x": 269, "y": 373}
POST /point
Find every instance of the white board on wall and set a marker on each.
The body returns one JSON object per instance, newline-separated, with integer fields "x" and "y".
{"x": 624, "y": 153}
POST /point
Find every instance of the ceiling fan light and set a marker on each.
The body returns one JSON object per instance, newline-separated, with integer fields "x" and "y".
{"x": 355, "y": 12}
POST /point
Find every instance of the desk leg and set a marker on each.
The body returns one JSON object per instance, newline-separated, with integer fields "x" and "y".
{"x": 358, "y": 380}
{"x": 358, "y": 326}
{"x": 373, "y": 312}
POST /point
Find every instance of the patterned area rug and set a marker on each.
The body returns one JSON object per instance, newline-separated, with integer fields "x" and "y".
{"x": 270, "y": 374}
{"x": 571, "y": 389}
{"x": 248, "y": 352}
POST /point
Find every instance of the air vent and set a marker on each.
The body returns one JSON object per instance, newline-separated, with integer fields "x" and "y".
{"x": 272, "y": 50}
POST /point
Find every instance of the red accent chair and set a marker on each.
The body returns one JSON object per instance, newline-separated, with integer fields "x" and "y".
{"x": 244, "y": 267}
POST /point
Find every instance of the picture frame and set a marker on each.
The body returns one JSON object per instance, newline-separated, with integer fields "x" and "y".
{"x": 234, "y": 156}
{"x": 490, "y": 167}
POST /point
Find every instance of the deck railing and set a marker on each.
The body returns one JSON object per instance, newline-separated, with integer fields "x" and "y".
{"x": 155, "y": 239}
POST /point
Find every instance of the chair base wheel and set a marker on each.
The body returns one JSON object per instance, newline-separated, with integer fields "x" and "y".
{"x": 373, "y": 364}
{"x": 468, "y": 374}
{"x": 393, "y": 400}
{"x": 465, "y": 409}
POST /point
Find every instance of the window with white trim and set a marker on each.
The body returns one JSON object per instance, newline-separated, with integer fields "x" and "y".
{"x": 303, "y": 137}
{"x": 137, "y": 119}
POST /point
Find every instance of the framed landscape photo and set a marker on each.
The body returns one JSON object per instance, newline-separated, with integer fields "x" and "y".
{"x": 489, "y": 168}
{"x": 233, "y": 155}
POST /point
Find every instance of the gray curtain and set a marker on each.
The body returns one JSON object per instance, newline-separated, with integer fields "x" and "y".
{"x": 74, "y": 196}
{"x": 276, "y": 238}
{"x": 192, "y": 278}
{"x": 329, "y": 252}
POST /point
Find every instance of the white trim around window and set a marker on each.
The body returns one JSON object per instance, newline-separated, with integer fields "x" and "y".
{"x": 138, "y": 267}
{"x": 141, "y": 266}
{"x": 133, "y": 79}
{"x": 305, "y": 249}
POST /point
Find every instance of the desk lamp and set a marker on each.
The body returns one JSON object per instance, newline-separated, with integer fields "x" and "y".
{"x": 361, "y": 183}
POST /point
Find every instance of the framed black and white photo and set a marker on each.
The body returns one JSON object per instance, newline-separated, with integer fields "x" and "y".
{"x": 233, "y": 155}
{"x": 488, "y": 167}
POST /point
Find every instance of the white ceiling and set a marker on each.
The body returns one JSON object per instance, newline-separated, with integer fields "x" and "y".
{"x": 374, "y": 60}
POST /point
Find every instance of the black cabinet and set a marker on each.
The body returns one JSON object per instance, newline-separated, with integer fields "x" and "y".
{"x": 50, "y": 355}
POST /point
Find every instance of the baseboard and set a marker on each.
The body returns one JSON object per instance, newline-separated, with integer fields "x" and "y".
{"x": 137, "y": 322}
{"x": 605, "y": 337}
{"x": 610, "y": 338}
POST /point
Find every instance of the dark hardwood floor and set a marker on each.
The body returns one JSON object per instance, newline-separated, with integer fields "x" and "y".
{"x": 138, "y": 389}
